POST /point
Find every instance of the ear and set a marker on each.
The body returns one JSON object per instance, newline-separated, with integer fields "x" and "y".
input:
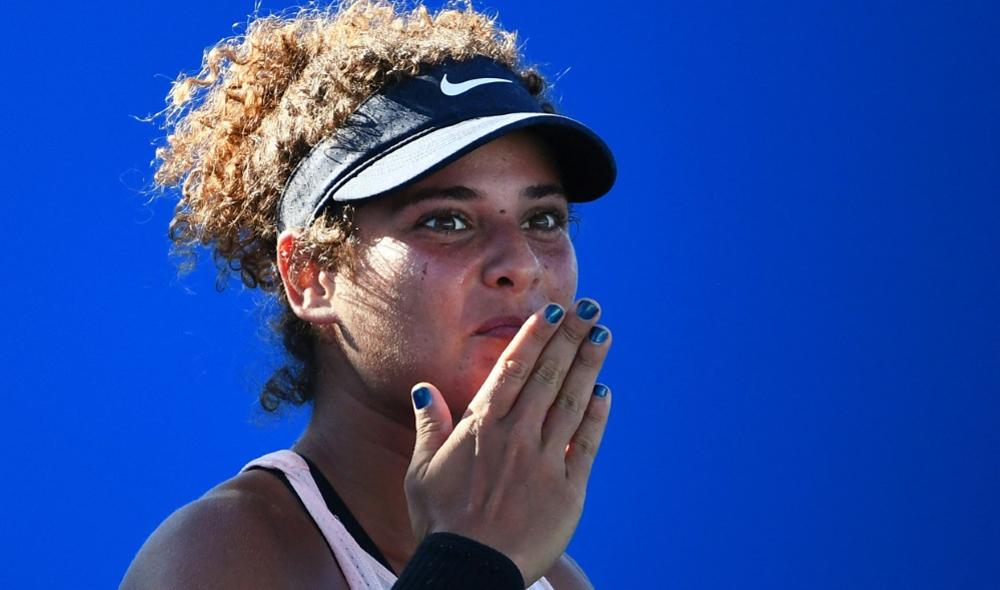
{"x": 309, "y": 289}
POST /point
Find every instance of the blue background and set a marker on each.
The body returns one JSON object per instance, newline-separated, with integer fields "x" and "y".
{"x": 800, "y": 265}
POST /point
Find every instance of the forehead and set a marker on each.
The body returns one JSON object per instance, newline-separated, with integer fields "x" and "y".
{"x": 508, "y": 166}
{"x": 513, "y": 171}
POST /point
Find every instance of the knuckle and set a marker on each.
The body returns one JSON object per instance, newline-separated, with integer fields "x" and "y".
{"x": 514, "y": 369}
{"x": 547, "y": 373}
{"x": 593, "y": 419}
{"x": 590, "y": 357}
{"x": 585, "y": 445}
{"x": 540, "y": 336}
{"x": 569, "y": 402}
{"x": 572, "y": 332}
{"x": 490, "y": 416}
{"x": 477, "y": 425}
{"x": 429, "y": 427}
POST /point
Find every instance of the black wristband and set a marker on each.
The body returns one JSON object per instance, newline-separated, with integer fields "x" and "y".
{"x": 445, "y": 561}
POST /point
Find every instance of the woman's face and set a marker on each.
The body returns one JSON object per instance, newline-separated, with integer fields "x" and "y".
{"x": 450, "y": 267}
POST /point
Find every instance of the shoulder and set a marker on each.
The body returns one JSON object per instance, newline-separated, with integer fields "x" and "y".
{"x": 248, "y": 532}
{"x": 566, "y": 574}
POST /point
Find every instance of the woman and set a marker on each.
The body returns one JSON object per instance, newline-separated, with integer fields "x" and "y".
{"x": 398, "y": 182}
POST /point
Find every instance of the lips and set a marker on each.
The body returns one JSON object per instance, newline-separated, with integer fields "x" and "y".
{"x": 504, "y": 327}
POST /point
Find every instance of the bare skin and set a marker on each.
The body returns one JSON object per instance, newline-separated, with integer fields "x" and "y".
{"x": 511, "y": 445}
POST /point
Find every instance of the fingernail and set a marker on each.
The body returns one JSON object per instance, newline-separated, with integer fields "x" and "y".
{"x": 553, "y": 313}
{"x": 601, "y": 390}
{"x": 586, "y": 309}
{"x": 598, "y": 334}
{"x": 421, "y": 397}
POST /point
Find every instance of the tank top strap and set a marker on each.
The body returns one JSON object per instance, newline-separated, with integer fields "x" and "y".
{"x": 360, "y": 569}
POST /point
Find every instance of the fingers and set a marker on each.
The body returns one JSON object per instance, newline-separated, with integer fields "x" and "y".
{"x": 583, "y": 447}
{"x": 433, "y": 425}
{"x": 567, "y": 411}
{"x": 504, "y": 383}
{"x": 554, "y": 364}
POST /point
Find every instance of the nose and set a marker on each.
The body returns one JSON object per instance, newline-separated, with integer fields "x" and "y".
{"x": 511, "y": 262}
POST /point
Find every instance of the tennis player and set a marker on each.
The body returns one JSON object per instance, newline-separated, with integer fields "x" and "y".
{"x": 397, "y": 180}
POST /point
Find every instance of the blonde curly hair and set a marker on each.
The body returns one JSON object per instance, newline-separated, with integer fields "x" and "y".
{"x": 236, "y": 130}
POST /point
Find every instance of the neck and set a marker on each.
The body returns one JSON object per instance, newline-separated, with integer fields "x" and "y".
{"x": 364, "y": 450}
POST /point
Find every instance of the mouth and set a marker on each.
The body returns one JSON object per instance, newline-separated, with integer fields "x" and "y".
{"x": 501, "y": 327}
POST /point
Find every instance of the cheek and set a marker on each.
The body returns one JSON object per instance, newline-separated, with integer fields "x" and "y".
{"x": 561, "y": 274}
{"x": 413, "y": 294}
{"x": 392, "y": 272}
{"x": 382, "y": 297}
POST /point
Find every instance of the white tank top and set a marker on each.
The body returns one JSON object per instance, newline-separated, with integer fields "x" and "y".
{"x": 360, "y": 569}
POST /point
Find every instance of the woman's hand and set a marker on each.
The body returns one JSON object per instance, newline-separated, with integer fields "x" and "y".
{"x": 512, "y": 474}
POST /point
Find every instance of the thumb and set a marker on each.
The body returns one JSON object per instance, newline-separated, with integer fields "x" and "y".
{"x": 433, "y": 425}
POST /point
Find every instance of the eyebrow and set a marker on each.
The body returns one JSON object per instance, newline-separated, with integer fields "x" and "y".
{"x": 464, "y": 193}
{"x": 537, "y": 191}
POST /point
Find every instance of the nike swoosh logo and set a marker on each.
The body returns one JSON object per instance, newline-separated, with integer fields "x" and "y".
{"x": 453, "y": 89}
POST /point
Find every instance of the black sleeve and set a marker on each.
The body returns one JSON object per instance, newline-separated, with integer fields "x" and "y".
{"x": 444, "y": 561}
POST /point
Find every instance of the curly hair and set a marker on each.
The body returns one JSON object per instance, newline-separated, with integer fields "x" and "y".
{"x": 236, "y": 130}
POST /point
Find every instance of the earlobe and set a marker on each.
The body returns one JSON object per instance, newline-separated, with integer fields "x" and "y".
{"x": 309, "y": 289}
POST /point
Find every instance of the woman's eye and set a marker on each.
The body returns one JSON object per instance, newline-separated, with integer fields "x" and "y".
{"x": 448, "y": 222}
{"x": 543, "y": 221}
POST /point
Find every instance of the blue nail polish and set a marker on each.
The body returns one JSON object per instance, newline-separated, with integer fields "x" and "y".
{"x": 421, "y": 397}
{"x": 598, "y": 335}
{"x": 586, "y": 309}
{"x": 601, "y": 390}
{"x": 553, "y": 313}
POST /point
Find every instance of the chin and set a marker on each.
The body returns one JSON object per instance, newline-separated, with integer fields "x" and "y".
{"x": 468, "y": 376}
{"x": 466, "y": 385}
